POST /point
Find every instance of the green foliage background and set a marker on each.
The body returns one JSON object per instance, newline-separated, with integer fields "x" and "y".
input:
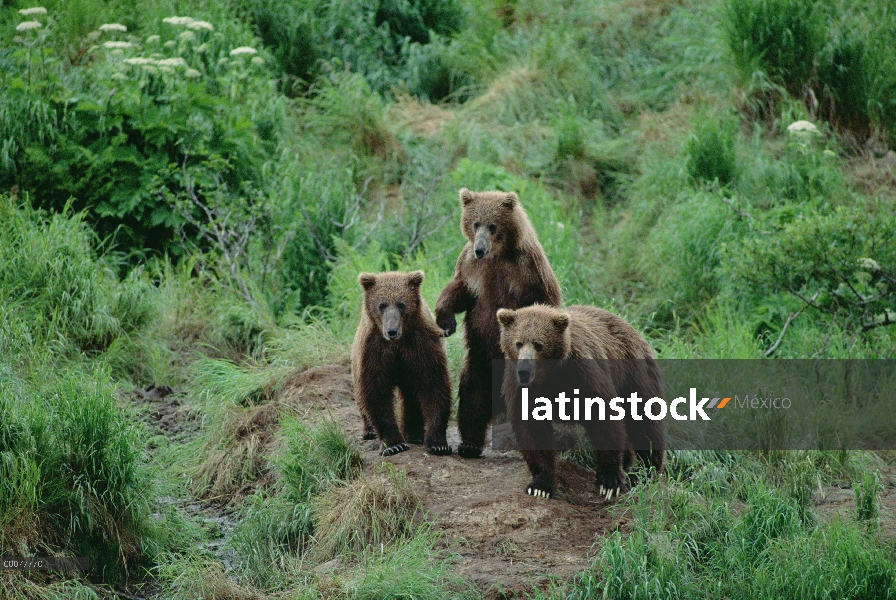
{"x": 187, "y": 203}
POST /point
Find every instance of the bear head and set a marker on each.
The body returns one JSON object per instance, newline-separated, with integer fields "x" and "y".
{"x": 392, "y": 300}
{"x": 531, "y": 334}
{"x": 491, "y": 221}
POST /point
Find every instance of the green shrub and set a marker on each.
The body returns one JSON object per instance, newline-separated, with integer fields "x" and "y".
{"x": 112, "y": 133}
{"x": 710, "y": 151}
{"x": 780, "y": 38}
{"x": 74, "y": 480}
{"x": 842, "y": 263}
{"x": 50, "y": 271}
{"x": 845, "y": 78}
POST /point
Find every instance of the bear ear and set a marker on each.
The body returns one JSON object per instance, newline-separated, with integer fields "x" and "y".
{"x": 506, "y": 317}
{"x": 510, "y": 200}
{"x": 466, "y": 196}
{"x": 415, "y": 278}
{"x": 367, "y": 280}
{"x": 561, "y": 321}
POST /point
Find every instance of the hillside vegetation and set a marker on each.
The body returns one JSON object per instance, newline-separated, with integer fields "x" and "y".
{"x": 189, "y": 190}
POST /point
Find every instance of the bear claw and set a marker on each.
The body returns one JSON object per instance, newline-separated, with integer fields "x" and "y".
{"x": 393, "y": 450}
{"x": 534, "y": 491}
{"x": 370, "y": 434}
{"x": 439, "y": 450}
{"x": 469, "y": 451}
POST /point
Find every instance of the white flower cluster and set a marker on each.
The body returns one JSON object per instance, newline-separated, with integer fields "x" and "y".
{"x": 201, "y": 25}
{"x": 26, "y": 25}
{"x": 803, "y": 129}
{"x": 113, "y": 27}
{"x": 32, "y": 24}
{"x": 117, "y": 45}
{"x": 30, "y": 12}
{"x": 243, "y": 50}
{"x": 179, "y": 21}
{"x": 165, "y": 65}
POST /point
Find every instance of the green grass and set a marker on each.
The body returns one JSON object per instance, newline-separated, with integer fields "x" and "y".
{"x": 205, "y": 234}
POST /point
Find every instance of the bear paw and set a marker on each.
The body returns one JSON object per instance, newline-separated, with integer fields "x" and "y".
{"x": 469, "y": 450}
{"x": 415, "y": 439}
{"x": 447, "y": 323}
{"x": 369, "y": 434}
{"x": 534, "y": 490}
{"x": 610, "y": 486}
{"x": 442, "y": 450}
{"x": 393, "y": 450}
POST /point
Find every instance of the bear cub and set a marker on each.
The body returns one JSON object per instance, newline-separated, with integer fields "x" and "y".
{"x": 399, "y": 347}
{"x": 502, "y": 265}
{"x": 550, "y": 350}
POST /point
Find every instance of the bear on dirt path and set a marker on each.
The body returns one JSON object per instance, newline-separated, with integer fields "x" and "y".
{"x": 502, "y": 266}
{"x": 550, "y": 350}
{"x": 398, "y": 346}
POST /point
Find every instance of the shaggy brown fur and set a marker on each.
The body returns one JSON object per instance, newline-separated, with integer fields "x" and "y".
{"x": 577, "y": 342}
{"x": 398, "y": 346}
{"x": 502, "y": 266}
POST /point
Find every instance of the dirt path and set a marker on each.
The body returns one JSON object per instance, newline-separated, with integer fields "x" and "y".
{"x": 508, "y": 542}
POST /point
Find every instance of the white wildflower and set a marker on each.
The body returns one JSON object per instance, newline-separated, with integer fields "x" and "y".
{"x": 802, "y": 129}
{"x": 35, "y": 10}
{"x": 869, "y": 263}
{"x": 26, "y": 25}
{"x": 243, "y": 50}
{"x": 222, "y": 61}
{"x": 192, "y": 73}
{"x": 172, "y": 62}
{"x": 197, "y": 25}
{"x": 113, "y": 27}
{"x": 560, "y": 226}
{"x": 153, "y": 39}
{"x": 829, "y": 152}
{"x": 188, "y": 36}
{"x": 117, "y": 45}
{"x": 150, "y": 69}
{"x": 185, "y": 21}
{"x": 138, "y": 61}
{"x": 257, "y": 61}
{"x": 202, "y": 48}
{"x": 119, "y": 77}
{"x": 117, "y": 52}
{"x": 170, "y": 44}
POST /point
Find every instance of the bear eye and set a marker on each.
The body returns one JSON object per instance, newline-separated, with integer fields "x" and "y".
{"x": 401, "y": 306}
{"x": 383, "y": 306}
{"x": 538, "y": 347}
{"x": 519, "y": 345}
{"x": 476, "y": 225}
{"x": 493, "y": 228}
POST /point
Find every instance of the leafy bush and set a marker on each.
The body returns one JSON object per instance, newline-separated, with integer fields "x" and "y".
{"x": 845, "y": 77}
{"x": 780, "y": 38}
{"x": 128, "y": 120}
{"x": 842, "y": 263}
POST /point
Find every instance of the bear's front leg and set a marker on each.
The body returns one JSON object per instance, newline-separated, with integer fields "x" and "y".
{"x": 455, "y": 298}
{"x": 377, "y": 397}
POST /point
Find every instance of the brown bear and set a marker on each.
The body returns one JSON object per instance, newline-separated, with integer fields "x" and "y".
{"x": 550, "y": 350}
{"x": 399, "y": 347}
{"x": 502, "y": 266}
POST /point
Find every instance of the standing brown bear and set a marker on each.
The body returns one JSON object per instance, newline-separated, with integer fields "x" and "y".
{"x": 502, "y": 266}
{"x": 398, "y": 346}
{"x": 581, "y": 348}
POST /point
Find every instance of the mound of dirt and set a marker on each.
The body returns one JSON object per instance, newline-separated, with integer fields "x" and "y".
{"x": 508, "y": 542}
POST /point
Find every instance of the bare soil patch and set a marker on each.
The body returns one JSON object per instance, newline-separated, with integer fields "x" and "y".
{"x": 507, "y": 542}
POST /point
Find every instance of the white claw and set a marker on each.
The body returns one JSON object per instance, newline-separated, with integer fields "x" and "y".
{"x": 601, "y": 490}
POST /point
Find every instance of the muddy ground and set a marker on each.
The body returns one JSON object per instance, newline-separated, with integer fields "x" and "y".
{"x": 507, "y": 542}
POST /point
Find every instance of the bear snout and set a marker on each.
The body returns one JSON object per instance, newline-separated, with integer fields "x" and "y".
{"x": 391, "y": 324}
{"x": 524, "y": 372}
